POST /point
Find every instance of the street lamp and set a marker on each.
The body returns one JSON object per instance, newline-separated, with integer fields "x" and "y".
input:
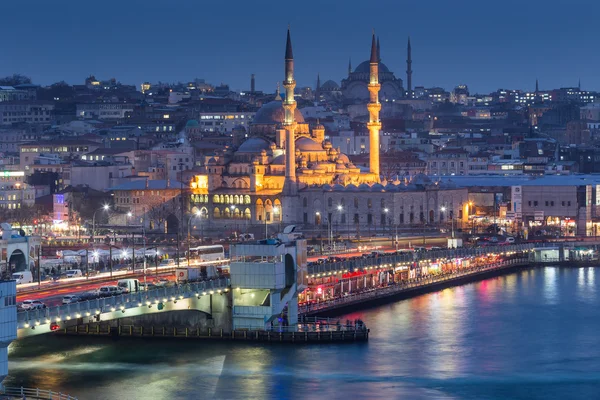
{"x": 105, "y": 207}
{"x": 386, "y": 211}
{"x": 195, "y": 214}
{"x": 340, "y": 209}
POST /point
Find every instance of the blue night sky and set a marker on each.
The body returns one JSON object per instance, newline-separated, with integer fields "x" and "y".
{"x": 487, "y": 45}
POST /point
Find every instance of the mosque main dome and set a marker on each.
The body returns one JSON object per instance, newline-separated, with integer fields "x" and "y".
{"x": 364, "y": 67}
{"x": 272, "y": 113}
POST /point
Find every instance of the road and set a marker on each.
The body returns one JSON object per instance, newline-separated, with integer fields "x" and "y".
{"x": 52, "y": 295}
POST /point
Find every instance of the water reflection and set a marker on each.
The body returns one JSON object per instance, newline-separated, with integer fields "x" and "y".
{"x": 503, "y": 338}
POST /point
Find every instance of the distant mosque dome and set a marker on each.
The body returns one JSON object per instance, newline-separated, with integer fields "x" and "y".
{"x": 192, "y": 123}
{"x": 330, "y": 86}
{"x": 272, "y": 113}
{"x": 365, "y": 67}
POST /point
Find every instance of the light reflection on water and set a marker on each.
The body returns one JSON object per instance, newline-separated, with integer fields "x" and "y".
{"x": 528, "y": 335}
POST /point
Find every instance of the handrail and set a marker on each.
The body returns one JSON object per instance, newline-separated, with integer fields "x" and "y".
{"x": 36, "y": 393}
{"x": 397, "y": 288}
{"x": 122, "y": 302}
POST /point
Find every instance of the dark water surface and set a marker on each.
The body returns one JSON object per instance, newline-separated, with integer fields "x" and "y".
{"x": 534, "y": 334}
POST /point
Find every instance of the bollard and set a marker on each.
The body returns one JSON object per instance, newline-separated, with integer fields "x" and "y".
{"x": 152, "y": 330}
{"x": 221, "y": 332}
{"x": 209, "y": 332}
{"x": 141, "y": 331}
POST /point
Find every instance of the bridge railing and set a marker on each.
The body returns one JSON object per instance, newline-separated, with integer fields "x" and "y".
{"x": 462, "y": 252}
{"x": 23, "y": 393}
{"x": 122, "y": 302}
{"x": 399, "y": 287}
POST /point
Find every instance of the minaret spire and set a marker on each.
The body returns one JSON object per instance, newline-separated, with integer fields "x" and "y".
{"x": 537, "y": 86}
{"x": 374, "y": 125}
{"x": 318, "y": 90}
{"x": 409, "y": 69}
{"x": 289, "y": 123}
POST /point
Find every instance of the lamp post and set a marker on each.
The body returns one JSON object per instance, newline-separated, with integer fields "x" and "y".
{"x": 340, "y": 209}
{"x": 386, "y": 211}
{"x": 318, "y": 214}
{"x": 189, "y": 237}
{"x": 105, "y": 207}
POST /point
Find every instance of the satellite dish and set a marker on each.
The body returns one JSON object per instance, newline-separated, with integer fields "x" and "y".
{"x": 22, "y": 232}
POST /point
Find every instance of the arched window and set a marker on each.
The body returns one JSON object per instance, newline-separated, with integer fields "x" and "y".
{"x": 217, "y": 213}
{"x": 304, "y": 202}
{"x": 216, "y": 199}
{"x": 343, "y": 202}
{"x": 277, "y": 210}
{"x": 247, "y": 199}
{"x": 247, "y": 214}
{"x": 236, "y": 199}
{"x": 260, "y": 210}
{"x": 356, "y": 202}
{"x": 226, "y": 212}
{"x": 222, "y": 199}
{"x": 227, "y": 199}
{"x": 330, "y": 202}
{"x": 382, "y": 203}
{"x": 369, "y": 203}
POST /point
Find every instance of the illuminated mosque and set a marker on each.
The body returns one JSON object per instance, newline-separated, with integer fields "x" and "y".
{"x": 286, "y": 172}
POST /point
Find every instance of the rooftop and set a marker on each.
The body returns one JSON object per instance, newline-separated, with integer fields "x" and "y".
{"x": 548, "y": 180}
{"x": 153, "y": 184}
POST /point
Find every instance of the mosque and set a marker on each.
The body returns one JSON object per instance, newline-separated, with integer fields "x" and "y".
{"x": 286, "y": 172}
{"x": 356, "y": 86}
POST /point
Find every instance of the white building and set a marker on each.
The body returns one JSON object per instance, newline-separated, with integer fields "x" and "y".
{"x": 224, "y": 122}
{"x": 104, "y": 110}
{"x": 267, "y": 277}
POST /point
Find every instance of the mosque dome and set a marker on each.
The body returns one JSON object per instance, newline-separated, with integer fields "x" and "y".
{"x": 307, "y": 144}
{"x": 344, "y": 158}
{"x": 420, "y": 179}
{"x": 279, "y": 160}
{"x": 377, "y": 188}
{"x": 365, "y": 67}
{"x": 351, "y": 188}
{"x": 254, "y": 145}
{"x": 238, "y": 128}
{"x": 390, "y": 187}
{"x": 212, "y": 161}
{"x": 329, "y": 86}
{"x": 192, "y": 123}
{"x": 363, "y": 187}
{"x": 327, "y": 188}
{"x": 338, "y": 187}
{"x": 272, "y": 113}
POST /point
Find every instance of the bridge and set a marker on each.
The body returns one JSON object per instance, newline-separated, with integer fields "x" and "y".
{"x": 192, "y": 296}
{"x": 392, "y": 260}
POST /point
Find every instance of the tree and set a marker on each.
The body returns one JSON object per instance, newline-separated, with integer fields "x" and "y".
{"x": 159, "y": 213}
{"x": 15, "y": 79}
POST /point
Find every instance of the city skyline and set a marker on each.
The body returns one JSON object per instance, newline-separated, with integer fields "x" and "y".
{"x": 84, "y": 41}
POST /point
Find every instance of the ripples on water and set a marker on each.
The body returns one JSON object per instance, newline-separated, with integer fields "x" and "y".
{"x": 528, "y": 335}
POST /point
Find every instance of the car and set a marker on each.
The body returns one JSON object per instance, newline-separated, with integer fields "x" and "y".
{"x": 32, "y": 305}
{"x": 70, "y": 298}
{"x": 107, "y": 291}
{"x": 73, "y": 273}
{"x": 88, "y": 296}
{"x": 510, "y": 239}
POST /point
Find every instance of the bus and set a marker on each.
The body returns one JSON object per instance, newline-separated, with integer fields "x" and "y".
{"x": 207, "y": 253}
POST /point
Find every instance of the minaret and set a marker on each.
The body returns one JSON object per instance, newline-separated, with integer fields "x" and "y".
{"x": 374, "y": 125}
{"x": 289, "y": 124}
{"x": 349, "y": 66}
{"x": 409, "y": 69}
{"x": 252, "y": 87}
{"x": 537, "y": 86}
{"x": 318, "y": 90}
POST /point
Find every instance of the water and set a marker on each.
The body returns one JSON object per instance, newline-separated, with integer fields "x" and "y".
{"x": 529, "y": 335}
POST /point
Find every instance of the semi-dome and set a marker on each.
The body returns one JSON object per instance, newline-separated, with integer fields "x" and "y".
{"x": 272, "y": 113}
{"x": 192, "y": 123}
{"x": 338, "y": 187}
{"x": 390, "y": 187}
{"x": 327, "y": 188}
{"x": 365, "y": 67}
{"x": 363, "y": 187}
{"x": 307, "y": 144}
{"x": 377, "y": 188}
{"x": 351, "y": 187}
{"x": 254, "y": 145}
{"x": 279, "y": 160}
